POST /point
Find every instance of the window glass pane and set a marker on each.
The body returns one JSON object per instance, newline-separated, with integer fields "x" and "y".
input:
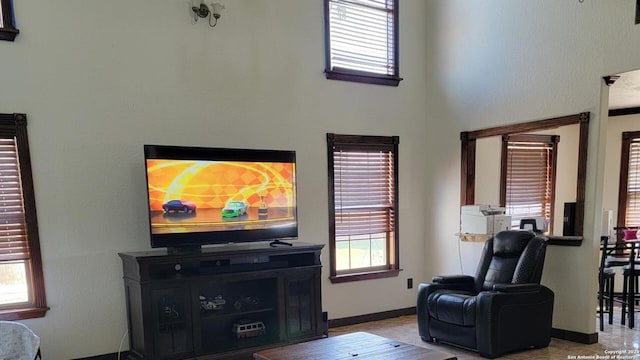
{"x": 360, "y": 248}
{"x": 361, "y": 41}
{"x": 13, "y": 283}
{"x": 361, "y": 251}
{"x": 342, "y": 253}
{"x": 364, "y": 200}
{"x": 378, "y": 249}
{"x": 361, "y": 35}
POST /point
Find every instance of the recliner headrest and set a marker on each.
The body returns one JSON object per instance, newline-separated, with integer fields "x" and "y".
{"x": 511, "y": 243}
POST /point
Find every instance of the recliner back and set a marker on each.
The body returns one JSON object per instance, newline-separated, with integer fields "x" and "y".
{"x": 511, "y": 257}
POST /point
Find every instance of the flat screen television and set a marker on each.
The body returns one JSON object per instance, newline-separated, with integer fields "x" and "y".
{"x": 199, "y": 196}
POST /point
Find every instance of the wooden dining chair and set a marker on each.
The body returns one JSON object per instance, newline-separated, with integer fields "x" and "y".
{"x": 606, "y": 283}
{"x": 630, "y": 273}
{"x": 627, "y": 237}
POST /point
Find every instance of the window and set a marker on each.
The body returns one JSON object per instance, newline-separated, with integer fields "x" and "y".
{"x": 361, "y": 41}
{"x": 8, "y": 30}
{"x": 363, "y": 203}
{"x": 527, "y": 183}
{"x": 21, "y": 281}
{"x": 629, "y": 197}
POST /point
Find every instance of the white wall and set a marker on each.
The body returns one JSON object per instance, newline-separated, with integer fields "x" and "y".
{"x": 488, "y": 162}
{"x": 98, "y": 79}
{"x": 500, "y": 62}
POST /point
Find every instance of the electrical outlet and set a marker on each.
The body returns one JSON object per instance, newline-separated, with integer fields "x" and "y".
{"x": 410, "y": 283}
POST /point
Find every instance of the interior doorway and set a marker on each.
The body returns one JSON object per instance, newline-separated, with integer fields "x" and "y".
{"x": 620, "y": 114}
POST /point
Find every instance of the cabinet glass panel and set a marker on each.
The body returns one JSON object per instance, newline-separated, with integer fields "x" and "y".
{"x": 173, "y": 321}
{"x": 300, "y": 309}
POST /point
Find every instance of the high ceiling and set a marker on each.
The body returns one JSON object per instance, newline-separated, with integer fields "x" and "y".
{"x": 625, "y": 92}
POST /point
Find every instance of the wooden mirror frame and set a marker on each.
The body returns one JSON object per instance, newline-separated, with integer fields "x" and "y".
{"x": 468, "y": 153}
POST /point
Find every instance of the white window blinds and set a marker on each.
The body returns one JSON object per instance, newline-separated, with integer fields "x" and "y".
{"x": 13, "y": 233}
{"x": 363, "y": 192}
{"x": 361, "y": 34}
{"x": 529, "y": 180}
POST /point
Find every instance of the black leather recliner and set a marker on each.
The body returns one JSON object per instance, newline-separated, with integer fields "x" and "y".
{"x": 502, "y": 309}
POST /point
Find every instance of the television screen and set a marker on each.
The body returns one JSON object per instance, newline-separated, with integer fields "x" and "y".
{"x": 200, "y": 196}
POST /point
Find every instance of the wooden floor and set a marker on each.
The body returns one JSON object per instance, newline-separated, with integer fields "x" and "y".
{"x": 614, "y": 337}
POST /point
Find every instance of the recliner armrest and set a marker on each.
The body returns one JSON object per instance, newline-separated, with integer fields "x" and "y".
{"x": 515, "y": 288}
{"x": 459, "y": 283}
{"x": 453, "y": 279}
{"x": 503, "y": 316}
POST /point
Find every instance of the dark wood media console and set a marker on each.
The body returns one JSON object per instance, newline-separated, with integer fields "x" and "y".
{"x": 222, "y": 302}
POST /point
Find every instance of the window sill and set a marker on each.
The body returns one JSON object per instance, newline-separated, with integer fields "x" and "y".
{"x": 22, "y": 314}
{"x": 336, "y": 279}
{"x": 362, "y": 77}
{"x": 565, "y": 240}
{"x": 8, "y": 34}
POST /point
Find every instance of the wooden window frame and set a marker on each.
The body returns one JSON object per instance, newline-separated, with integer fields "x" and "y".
{"x": 15, "y": 125}
{"x": 551, "y": 140}
{"x": 362, "y": 76}
{"x": 358, "y": 142}
{"x": 627, "y": 138}
{"x": 8, "y": 30}
{"x": 468, "y": 156}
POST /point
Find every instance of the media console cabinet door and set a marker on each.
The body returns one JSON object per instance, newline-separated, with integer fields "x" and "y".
{"x": 172, "y": 330}
{"x": 301, "y": 308}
